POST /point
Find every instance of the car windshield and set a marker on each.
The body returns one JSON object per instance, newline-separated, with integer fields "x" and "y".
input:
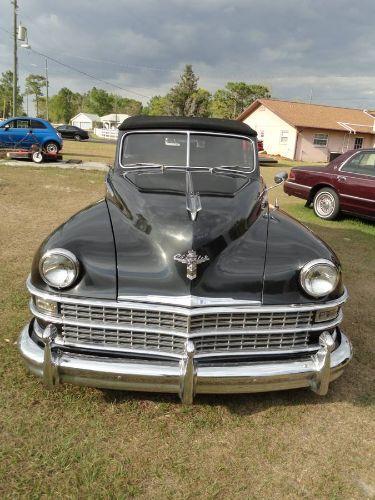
{"x": 181, "y": 149}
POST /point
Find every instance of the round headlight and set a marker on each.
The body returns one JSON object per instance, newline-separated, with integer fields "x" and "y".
{"x": 319, "y": 277}
{"x": 59, "y": 268}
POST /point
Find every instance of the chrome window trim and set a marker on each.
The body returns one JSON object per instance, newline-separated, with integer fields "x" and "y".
{"x": 188, "y": 133}
{"x": 207, "y": 332}
{"x": 357, "y": 152}
{"x": 170, "y": 307}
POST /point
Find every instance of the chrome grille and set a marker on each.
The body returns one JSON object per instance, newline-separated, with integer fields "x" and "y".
{"x": 186, "y": 324}
{"x": 126, "y": 339}
{"x": 248, "y": 342}
{"x": 170, "y": 343}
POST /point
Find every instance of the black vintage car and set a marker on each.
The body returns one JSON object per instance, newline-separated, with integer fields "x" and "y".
{"x": 184, "y": 279}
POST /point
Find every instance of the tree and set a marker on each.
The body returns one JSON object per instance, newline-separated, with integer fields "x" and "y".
{"x": 125, "y": 105}
{"x": 185, "y": 98}
{"x": 33, "y": 86}
{"x": 64, "y": 105}
{"x": 98, "y": 101}
{"x": 157, "y": 106}
{"x": 6, "y": 95}
{"x": 235, "y": 97}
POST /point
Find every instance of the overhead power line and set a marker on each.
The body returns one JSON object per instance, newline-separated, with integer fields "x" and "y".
{"x": 88, "y": 75}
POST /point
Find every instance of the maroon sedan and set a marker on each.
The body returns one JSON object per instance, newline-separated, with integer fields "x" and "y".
{"x": 347, "y": 184}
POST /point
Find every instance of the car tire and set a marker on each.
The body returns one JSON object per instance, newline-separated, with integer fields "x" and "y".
{"x": 37, "y": 157}
{"x": 326, "y": 204}
{"x": 77, "y": 137}
{"x": 51, "y": 147}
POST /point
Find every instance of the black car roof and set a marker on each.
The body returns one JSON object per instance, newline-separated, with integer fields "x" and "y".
{"x": 183, "y": 123}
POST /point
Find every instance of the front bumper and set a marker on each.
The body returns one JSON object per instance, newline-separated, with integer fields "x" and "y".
{"x": 186, "y": 377}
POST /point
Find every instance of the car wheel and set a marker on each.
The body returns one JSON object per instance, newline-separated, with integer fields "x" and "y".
{"x": 51, "y": 147}
{"x": 326, "y": 204}
{"x": 77, "y": 137}
{"x": 37, "y": 157}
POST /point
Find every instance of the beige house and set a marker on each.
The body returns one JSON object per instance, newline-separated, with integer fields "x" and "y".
{"x": 309, "y": 132}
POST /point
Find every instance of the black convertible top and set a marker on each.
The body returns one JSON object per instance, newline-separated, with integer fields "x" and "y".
{"x": 182, "y": 123}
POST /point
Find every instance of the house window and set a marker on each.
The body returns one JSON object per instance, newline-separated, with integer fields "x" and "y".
{"x": 284, "y": 134}
{"x": 358, "y": 143}
{"x": 320, "y": 140}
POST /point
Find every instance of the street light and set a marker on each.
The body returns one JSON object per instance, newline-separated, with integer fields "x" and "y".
{"x": 22, "y": 35}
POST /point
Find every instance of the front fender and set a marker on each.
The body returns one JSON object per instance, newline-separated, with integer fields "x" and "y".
{"x": 88, "y": 234}
{"x": 290, "y": 246}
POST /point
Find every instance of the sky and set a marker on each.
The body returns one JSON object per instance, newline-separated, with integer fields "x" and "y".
{"x": 301, "y": 49}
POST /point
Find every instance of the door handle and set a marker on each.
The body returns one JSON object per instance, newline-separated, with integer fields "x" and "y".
{"x": 341, "y": 178}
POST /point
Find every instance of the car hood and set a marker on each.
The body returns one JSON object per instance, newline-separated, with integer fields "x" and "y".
{"x": 151, "y": 225}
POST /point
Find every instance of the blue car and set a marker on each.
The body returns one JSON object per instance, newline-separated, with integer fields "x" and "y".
{"x": 23, "y": 132}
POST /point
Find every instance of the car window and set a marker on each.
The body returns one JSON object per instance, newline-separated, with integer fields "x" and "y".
{"x": 154, "y": 147}
{"x": 12, "y": 124}
{"x": 214, "y": 150}
{"x": 23, "y": 123}
{"x": 362, "y": 163}
{"x": 37, "y": 124}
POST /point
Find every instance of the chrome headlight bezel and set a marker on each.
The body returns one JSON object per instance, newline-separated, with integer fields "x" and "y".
{"x": 66, "y": 254}
{"x": 313, "y": 265}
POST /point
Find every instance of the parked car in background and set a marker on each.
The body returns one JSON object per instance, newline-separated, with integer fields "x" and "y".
{"x": 346, "y": 184}
{"x": 73, "y": 132}
{"x": 184, "y": 279}
{"x": 23, "y": 132}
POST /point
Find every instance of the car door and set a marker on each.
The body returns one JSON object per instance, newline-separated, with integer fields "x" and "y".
{"x": 5, "y": 133}
{"x": 355, "y": 184}
{"x": 22, "y": 135}
{"x": 39, "y": 132}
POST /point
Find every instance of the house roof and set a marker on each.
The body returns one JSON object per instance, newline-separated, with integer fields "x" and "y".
{"x": 186, "y": 123}
{"x": 303, "y": 115}
{"x": 90, "y": 116}
{"x": 112, "y": 117}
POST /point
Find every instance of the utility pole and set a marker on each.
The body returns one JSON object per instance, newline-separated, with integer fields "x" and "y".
{"x": 311, "y": 96}
{"x": 47, "y": 114}
{"x": 15, "y": 78}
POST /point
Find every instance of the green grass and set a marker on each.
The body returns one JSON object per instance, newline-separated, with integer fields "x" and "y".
{"x": 86, "y": 443}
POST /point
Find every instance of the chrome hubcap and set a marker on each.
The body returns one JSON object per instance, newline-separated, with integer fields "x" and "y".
{"x": 51, "y": 148}
{"x": 325, "y": 204}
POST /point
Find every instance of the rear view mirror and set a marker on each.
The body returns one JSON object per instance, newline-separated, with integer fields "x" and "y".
{"x": 280, "y": 177}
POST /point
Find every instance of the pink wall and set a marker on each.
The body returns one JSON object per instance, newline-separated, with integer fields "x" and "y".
{"x": 337, "y": 141}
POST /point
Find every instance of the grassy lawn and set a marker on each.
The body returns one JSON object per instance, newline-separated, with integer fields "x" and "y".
{"x": 81, "y": 442}
{"x": 89, "y": 151}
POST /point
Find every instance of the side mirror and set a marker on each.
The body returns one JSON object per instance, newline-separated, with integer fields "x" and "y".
{"x": 7, "y": 126}
{"x": 280, "y": 177}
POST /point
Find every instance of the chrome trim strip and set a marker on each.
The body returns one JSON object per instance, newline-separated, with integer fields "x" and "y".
{"x": 356, "y": 197}
{"x": 187, "y": 133}
{"x": 197, "y": 333}
{"x": 189, "y": 300}
{"x": 298, "y": 185}
{"x": 357, "y": 152}
{"x": 176, "y": 355}
{"x": 169, "y": 307}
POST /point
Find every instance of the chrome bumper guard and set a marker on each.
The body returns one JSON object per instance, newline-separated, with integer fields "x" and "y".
{"x": 186, "y": 377}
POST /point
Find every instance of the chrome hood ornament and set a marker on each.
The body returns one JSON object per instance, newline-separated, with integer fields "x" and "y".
{"x": 191, "y": 259}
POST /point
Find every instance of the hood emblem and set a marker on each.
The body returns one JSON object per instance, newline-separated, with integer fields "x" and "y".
{"x": 191, "y": 259}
